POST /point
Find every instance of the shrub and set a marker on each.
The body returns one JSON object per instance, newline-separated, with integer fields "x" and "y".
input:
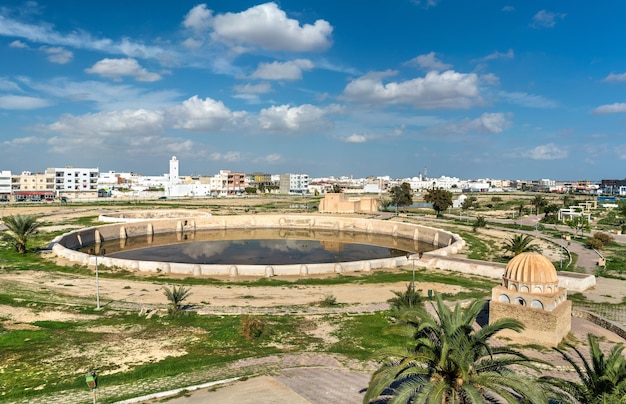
{"x": 329, "y": 301}
{"x": 594, "y": 243}
{"x": 410, "y": 298}
{"x": 603, "y": 237}
{"x": 252, "y": 327}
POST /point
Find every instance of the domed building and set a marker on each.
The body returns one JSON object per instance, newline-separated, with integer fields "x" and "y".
{"x": 530, "y": 293}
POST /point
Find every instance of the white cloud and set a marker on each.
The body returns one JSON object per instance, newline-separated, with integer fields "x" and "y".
{"x": 546, "y": 19}
{"x": 198, "y": 18}
{"x": 291, "y": 70}
{"x": 490, "y": 79}
{"x": 498, "y": 55}
{"x": 44, "y": 33}
{"x": 261, "y": 88}
{"x": 548, "y": 151}
{"x": 197, "y": 114}
{"x": 527, "y": 100}
{"x": 120, "y": 123}
{"x": 354, "y": 138}
{"x": 429, "y": 61}
{"x": 8, "y": 85}
{"x": 57, "y": 54}
{"x": 18, "y": 44}
{"x": 615, "y": 77}
{"x": 20, "y": 102}
{"x": 617, "y": 107}
{"x": 486, "y": 123}
{"x": 230, "y": 156}
{"x": 268, "y": 27}
{"x": 28, "y": 140}
{"x": 117, "y": 68}
{"x": 436, "y": 90}
{"x": 303, "y": 117}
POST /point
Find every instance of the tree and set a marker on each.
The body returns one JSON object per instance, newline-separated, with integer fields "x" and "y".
{"x": 450, "y": 362}
{"x": 402, "y": 195}
{"x": 176, "y": 295}
{"x": 520, "y": 243}
{"x": 469, "y": 203}
{"x": 19, "y": 229}
{"x": 602, "y": 378}
{"x": 579, "y": 224}
{"x": 439, "y": 198}
{"x": 539, "y": 202}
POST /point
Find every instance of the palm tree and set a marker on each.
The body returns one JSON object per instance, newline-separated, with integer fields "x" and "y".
{"x": 176, "y": 295}
{"x": 19, "y": 230}
{"x": 450, "y": 362}
{"x": 520, "y": 243}
{"x": 602, "y": 379}
{"x": 539, "y": 202}
{"x": 408, "y": 299}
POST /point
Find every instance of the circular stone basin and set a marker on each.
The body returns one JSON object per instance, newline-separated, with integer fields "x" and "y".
{"x": 260, "y": 247}
{"x": 442, "y": 242}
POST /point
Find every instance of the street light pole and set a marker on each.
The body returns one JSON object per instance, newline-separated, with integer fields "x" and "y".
{"x": 102, "y": 251}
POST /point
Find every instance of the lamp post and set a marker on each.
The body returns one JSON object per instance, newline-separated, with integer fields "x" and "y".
{"x": 102, "y": 252}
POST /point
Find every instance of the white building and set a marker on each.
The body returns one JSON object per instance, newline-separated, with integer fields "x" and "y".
{"x": 294, "y": 183}
{"x": 75, "y": 182}
{"x": 5, "y": 185}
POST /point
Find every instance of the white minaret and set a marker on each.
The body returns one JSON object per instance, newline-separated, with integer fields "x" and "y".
{"x": 173, "y": 171}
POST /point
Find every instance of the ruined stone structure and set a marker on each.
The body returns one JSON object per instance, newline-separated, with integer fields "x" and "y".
{"x": 341, "y": 203}
{"x": 530, "y": 293}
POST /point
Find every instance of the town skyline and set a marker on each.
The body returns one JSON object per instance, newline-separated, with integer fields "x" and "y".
{"x": 508, "y": 91}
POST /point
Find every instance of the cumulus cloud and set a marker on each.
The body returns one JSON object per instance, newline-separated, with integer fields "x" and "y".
{"x": 429, "y": 61}
{"x": 291, "y": 70}
{"x": 527, "y": 100}
{"x": 197, "y": 114}
{"x": 287, "y": 118}
{"x": 548, "y": 151}
{"x": 617, "y": 107}
{"x": 486, "y": 123}
{"x": 127, "y": 122}
{"x": 268, "y": 27}
{"x": 20, "y": 102}
{"x": 436, "y": 90}
{"x": 546, "y": 19}
{"x": 57, "y": 54}
{"x": 117, "y": 68}
{"x": 198, "y": 18}
{"x": 354, "y": 138}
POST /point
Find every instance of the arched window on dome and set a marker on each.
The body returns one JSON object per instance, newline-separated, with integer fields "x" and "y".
{"x": 536, "y": 304}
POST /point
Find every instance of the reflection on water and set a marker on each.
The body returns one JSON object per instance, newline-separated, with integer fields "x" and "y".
{"x": 261, "y": 247}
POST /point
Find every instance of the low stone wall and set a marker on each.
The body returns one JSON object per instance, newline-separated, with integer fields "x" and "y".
{"x": 67, "y": 244}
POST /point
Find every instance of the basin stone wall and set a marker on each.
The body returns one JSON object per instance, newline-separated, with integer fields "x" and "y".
{"x": 67, "y": 244}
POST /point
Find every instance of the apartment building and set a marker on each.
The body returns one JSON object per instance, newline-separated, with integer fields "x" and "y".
{"x": 5, "y": 186}
{"x": 294, "y": 183}
{"x": 75, "y": 182}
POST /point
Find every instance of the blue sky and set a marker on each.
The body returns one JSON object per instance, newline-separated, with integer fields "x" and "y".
{"x": 518, "y": 90}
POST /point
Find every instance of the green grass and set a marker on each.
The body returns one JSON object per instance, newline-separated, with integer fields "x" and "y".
{"x": 361, "y": 336}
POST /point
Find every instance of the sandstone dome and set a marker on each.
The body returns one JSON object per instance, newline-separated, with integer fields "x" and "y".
{"x": 531, "y": 268}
